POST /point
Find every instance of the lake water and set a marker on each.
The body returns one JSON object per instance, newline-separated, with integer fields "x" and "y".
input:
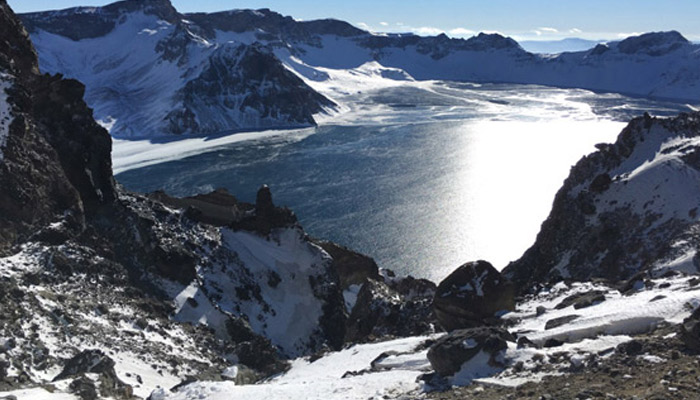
{"x": 423, "y": 178}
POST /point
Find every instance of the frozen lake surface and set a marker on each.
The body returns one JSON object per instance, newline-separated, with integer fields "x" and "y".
{"x": 421, "y": 177}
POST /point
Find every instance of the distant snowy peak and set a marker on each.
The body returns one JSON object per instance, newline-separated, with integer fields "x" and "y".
{"x": 653, "y": 44}
{"x": 631, "y": 206}
{"x": 91, "y": 22}
{"x": 270, "y": 25}
{"x": 151, "y": 72}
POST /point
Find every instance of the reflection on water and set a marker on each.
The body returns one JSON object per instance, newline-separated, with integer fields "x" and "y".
{"x": 421, "y": 179}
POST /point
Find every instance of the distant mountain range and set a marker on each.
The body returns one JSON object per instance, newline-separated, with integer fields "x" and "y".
{"x": 152, "y": 71}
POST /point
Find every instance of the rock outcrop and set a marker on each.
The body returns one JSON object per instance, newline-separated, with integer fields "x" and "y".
{"x": 472, "y": 296}
{"x": 690, "y": 331}
{"x": 450, "y": 352}
{"x": 385, "y": 309}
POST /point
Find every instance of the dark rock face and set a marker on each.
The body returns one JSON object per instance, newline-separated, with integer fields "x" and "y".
{"x": 690, "y": 331}
{"x": 253, "y": 350}
{"x": 57, "y": 159}
{"x": 253, "y": 80}
{"x": 557, "y": 322}
{"x": 218, "y": 208}
{"x": 451, "y": 351}
{"x": 95, "y": 362}
{"x": 267, "y": 216}
{"x": 471, "y": 296}
{"x": 382, "y": 311}
{"x": 653, "y": 43}
{"x": 271, "y": 23}
{"x": 88, "y": 361}
{"x": 605, "y": 223}
{"x": 353, "y": 268}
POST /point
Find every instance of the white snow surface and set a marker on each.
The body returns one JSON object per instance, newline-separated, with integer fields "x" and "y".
{"x": 5, "y": 111}
{"x": 323, "y": 378}
{"x": 286, "y": 312}
{"x": 596, "y": 333}
{"x": 296, "y": 312}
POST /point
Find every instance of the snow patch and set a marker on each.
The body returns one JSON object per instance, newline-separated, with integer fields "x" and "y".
{"x": 5, "y": 112}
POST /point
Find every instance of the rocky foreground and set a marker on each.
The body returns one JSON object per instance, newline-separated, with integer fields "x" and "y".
{"x": 107, "y": 293}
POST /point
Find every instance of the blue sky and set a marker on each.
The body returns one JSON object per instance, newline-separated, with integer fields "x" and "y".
{"x": 521, "y": 19}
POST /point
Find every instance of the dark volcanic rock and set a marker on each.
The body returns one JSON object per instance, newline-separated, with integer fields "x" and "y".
{"x": 56, "y": 161}
{"x": 690, "y": 331}
{"x": 218, "y": 208}
{"x": 88, "y": 361}
{"x": 259, "y": 82}
{"x": 266, "y": 216}
{"x": 451, "y": 351}
{"x": 382, "y": 311}
{"x": 94, "y": 362}
{"x": 352, "y": 267}
{"x": 471, "y": 296}
{"x": 557, "y": 322}
{"x": 582, "y": 300}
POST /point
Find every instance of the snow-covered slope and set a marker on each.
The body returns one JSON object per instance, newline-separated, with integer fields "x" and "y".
{"x": 148, "y": 73}
{"x": 151, "y": 71}
{"x": 631, "y": 206}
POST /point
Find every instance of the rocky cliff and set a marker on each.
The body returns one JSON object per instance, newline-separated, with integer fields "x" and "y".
{"x": 111, "y": 293}
{"x": 630, "y": 207}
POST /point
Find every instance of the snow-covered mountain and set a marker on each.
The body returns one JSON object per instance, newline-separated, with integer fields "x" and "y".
{"x": 111, "y": 294}
{"x": 630, "y": 207}
{"x": 151, "y": 71}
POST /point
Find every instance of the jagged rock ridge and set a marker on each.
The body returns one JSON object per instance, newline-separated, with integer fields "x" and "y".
{"x": 630, "y": 207}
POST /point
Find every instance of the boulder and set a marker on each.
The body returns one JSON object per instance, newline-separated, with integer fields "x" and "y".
{"x": 94, "y": 362}
{"x": 450, "y": 352}
{"x": 690, "y": 331}
{"x": 87, "y": 361}
{"x": 253, "y": 350}
{"x": 472, "y": 296}
{"x": 381, "y": 311}
{"x": 582, "y": 300}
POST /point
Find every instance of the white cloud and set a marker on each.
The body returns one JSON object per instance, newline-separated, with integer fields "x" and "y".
{"x": 548, "y": 30}
{"x": 623, "y": 35}
{"x": 427, "y": 31}
{"x": 364, "y": 26}
{"x": 384, "y": 23}
{"x": 575, "y": 31}
{"x": 461, "y": 32}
